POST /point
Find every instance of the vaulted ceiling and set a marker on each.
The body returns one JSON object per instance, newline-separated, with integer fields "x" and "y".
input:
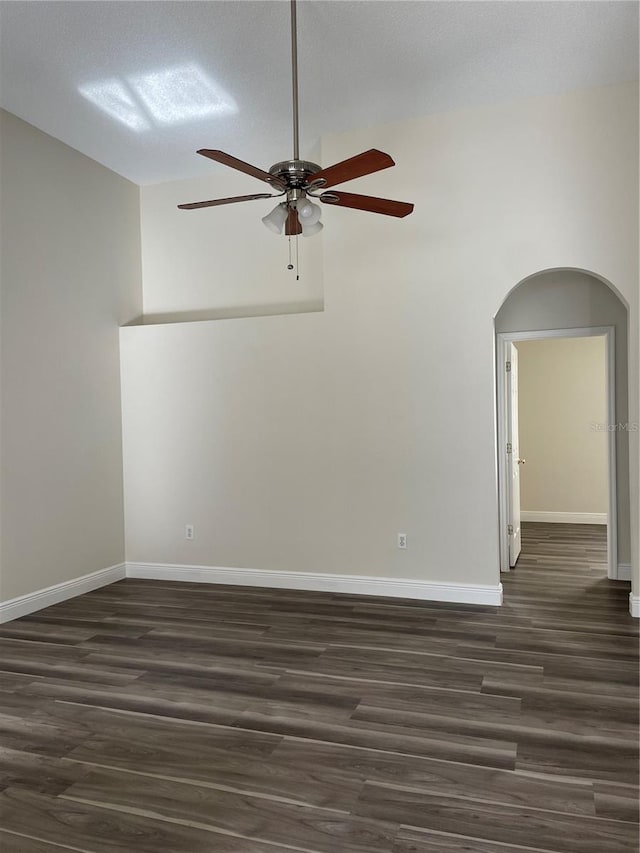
{"x": 139, "y": 86}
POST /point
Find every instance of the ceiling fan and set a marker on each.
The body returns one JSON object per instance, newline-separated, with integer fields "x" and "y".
{"x": 299, "y": 180}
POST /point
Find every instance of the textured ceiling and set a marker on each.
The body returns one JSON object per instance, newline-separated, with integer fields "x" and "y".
{"x": 139, "y": 86}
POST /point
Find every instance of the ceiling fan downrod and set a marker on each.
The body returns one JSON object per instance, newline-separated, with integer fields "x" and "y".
{"x": 294, "y": 79}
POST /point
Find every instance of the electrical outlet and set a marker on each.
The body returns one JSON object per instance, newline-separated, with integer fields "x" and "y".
{"x": 402, "y": 541}
{"x": 189, "y": 531}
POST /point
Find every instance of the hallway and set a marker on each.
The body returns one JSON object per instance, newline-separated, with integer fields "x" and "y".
{"x": 565, "y": 565}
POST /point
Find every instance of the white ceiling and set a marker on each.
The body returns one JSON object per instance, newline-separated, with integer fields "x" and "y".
{"x": 361, "y": 63}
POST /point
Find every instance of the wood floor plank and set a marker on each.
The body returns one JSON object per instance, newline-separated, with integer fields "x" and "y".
{"x": 70, "y": 672}
{"x": 26, "y": 735}
{"x": 586, "y": 759}
{"x": 39, "y": 773}
{"x": 89, "y": 828}
{"x": 449, "y": 669}
{"x": 11, "y": 681}
{"x": 424, "y": 698}
{"x": 435, "y": 775}
{"x": 564, "y": 666}
{"x": 552, "y": 830}
{"x": 222, "y": 768}
{"x": 621, "y": 802}
{"x": 64, "y": 635}
{"x": 87, "y": 722}
{"x": 389, "y": 738}
{"x": 10, "y": 843}
{"x": 302, "y": 826}
{"x": 424, "y": 841}
{"x": 149, "y": 704}
{"x": 529, "y": 729}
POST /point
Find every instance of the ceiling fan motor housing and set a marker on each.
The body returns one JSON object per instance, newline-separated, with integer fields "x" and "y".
{"x": 294, "y": 174}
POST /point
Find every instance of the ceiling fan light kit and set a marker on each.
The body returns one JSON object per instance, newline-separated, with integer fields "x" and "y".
{"x": 298, "y": 181}
{"x": 308, "y": 230}
{"x": 275, "y": 220}
{"x": 308, "y": 212}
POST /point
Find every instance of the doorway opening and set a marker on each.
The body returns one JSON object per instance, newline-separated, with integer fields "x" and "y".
{"x": 569, "y": 434}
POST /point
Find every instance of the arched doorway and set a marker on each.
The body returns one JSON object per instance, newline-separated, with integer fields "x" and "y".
{"x": 568, "y": 303}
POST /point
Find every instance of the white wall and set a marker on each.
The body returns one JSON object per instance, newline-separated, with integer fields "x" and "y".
{"x": 307, "y": 442}
{"x": 563, "y": 419}
{"x": 221, "y": 261}
{"x": 70, "y": 270}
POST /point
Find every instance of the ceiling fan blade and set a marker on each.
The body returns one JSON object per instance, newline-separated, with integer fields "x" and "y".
{"x": 240, "y": 165}
{"x": 367, "y": 202}
{"x": 355, "y": 167}
{"x": 292, "y": 225}
{"x": 194, "y": 205}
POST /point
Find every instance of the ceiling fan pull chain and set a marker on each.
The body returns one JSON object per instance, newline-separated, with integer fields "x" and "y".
{"x": 289, "y": 265}
{"x": 297, "y": 263}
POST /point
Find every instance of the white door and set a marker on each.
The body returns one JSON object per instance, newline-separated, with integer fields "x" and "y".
{"x": 513, "y": 455}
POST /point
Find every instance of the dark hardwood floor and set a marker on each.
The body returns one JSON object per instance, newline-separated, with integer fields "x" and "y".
{"x": 151, "y": 716}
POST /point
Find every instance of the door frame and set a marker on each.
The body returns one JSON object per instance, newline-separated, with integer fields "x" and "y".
{"x": 502, "y": 340}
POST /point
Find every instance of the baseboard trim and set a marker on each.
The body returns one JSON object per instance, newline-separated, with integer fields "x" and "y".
{"x": 634, "y": 605}
{"x": 624, "y": 572}
{"x": 14, "y": 608}
{"x": 316, "y": 582}
{"x": 564, "y": 517}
